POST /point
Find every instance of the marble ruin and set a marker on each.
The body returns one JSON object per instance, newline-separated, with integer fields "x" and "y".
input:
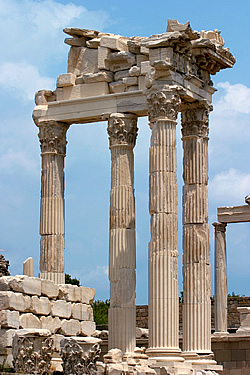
{"x": 118, "y": 79}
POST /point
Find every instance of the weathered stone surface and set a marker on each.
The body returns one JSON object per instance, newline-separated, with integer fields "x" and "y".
{"x": 82, "y": 60}
{"x": 87, "y": 328}
{"x": 26, "y": 285}
{"x": 4, "y": 265}
{"x": 87, "y": 295}
{"x": 121, "y": 74}
{"x": 113, "y": 43}
{"x": 49, "y": 288}
{"x": 77, "y": 42}
{"x": 14, "y": 301}
{"x": 57, "y": 340}
{"x": 103, "y": 58}
{"x": 40, "y": 305}
{"x": 83, "y": 91}
{"x": 9, "y": 319}
{"x": 69, "y": 292}
{"x": 28, "y": 267}
{"x": 244, "y": 319}
{"x": 60, "y": 308}
{"x": 76, "y": 32}
{"x": 118, "y": 86}
{"x": 113, "y": 356}
{"x": 81, "y": 311}
{"x": 65, "y": 80}
{"x": 93, "y": 43}
{"x": 121, "y": 61}
{"x": 70, "y": 327}
{"x": 29, "y": 321}
{"x": 6, "y": 337}
{"x": 130, "y": 81}
{"x": 141, "y": 332}
{"x": 145, "y": 67}
{"x": 134, "y": 71}
{"x": 103, "y": 76}
{"x": 5, "y": 283}
{"x": 53, "y": 324}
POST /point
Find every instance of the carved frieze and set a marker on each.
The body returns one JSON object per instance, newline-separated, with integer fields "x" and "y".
{"x": 52, "y": 137}
{"x": 122, "y": 129}
{"x": 28, "y": 360}
{"x": 77, "y": 361}
{"x": 163, "y": 102}
{"x": 194, "y": 119}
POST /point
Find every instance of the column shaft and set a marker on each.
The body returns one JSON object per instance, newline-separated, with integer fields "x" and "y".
{"x": 220, "y": 278}
{"x": 196, "y": 250}
{"x": 53, "y": 145}
{"x": 163, "y": 108}
{"x": 122, "y": 130}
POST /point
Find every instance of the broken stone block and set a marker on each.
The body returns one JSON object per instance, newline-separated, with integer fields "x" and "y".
{"x": 76, "y": 32}
{"x": 53, "y": 324}
{"x": 25, "y": 284}
{"x": 70, "y": 327}
{"x": 6, "y": 337}
{"x": 93, "y": 43}
{"x": 9, "y": 319}
{"x": 87, "y": 295}
{"x": 29, "y": 321}
{"x": 103, "y": 58}
{"x": 144, "y": 50}
{"x": 69, "y": 292}
{"x": 130, "y": 81}
{"x": 134, "y": 71}
{"x": 77, "y": 42}
{"x": 113, "y": 356}
{"x": 145, "y": 67}
{"x": 60, "y": 308}
{"x": 87, "y": 328}
{"x": 49, "y": 288}
{"x": 14, "y": 301}
{"x": 65, "y": 80}
{"x": 116, "y": 87}
{"x": 5, "y": 283}
{"x": 103, "y": 76}
{"x": 40, "y": 305}
{"x": 134, "y": 46}
{"x": 113, "y": 43}
{"x": 82, "y": 60}
{"x": 121, "y": 74}
{"x": 81, "y": 311}
{"x": 121, "y": 61}
{"x": 28, "y": 266}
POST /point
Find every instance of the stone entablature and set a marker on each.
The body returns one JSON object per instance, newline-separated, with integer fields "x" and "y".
{"x": 118, "y": 69}
{"x": 29, "y": 302}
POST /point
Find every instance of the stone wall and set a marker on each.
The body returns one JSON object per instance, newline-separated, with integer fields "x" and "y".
{"x": 30, "y": 302}
{"x": 233, "y": 316}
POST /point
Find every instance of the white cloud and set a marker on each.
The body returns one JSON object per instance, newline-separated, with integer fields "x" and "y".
{"x": 15, "y": 159}
{"x": 235, "y": 99}
{"x": 23, "y": 79}
{"x": 229, "y": 187}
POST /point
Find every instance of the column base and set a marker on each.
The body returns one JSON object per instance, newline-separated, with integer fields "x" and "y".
{"x": 57, "y": 277}
{"x": 199, "y": 358}
{"x": 161, "y": 356}
{"x": 220, "y": 334}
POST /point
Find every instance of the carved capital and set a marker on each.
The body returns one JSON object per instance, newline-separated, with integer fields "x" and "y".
{"x": 163, "y": 102}
{"x": 220, "y": 227}
{"x": 52, "y": 135}
{"x": 122, "y": 129}
{"x": 194, "y": 119}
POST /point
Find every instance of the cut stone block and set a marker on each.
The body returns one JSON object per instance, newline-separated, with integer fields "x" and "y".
{"x": 6, "y": 357}
{"x": 93, "y": 43}
{"x": 29, "y": 321}
{"x": 62, "y": 309}
{"x": 81, "y": 311}
{"x": 14, "y": 301}
{"x": 130, "y": 81}
{"x": 145, "y": 67}
{"x": 121, "y": 61}
{"x": 70, "y": 327}
{"x": 65, "y": 80}
{"x": 77, "y": 42}
{"x": 49, "y": 288}
{"x": 141, "y": 83}
{"x": 144, "y": 50}
{"x": 87, "y": 328}
{"x": 9, "y": 319}
{"x": 140, "y": 58}
{"x": 103, "y": 58}
{"x": 84, "y": 91}
{"x": 5, "y": 283}
{"x": 87, "y": 295}
{"x": 118, "y": 86}
{"x": 25, "y": 284}
{"x": 70, "y": 292}
{"x": 53, "y": 324}
{"x": 103, "y": 76}
{"x": 40, "y": 305}
{"x": 82, "y": 60}
{"x": 131, "y": 88}
{"x": 121, "y": 74}
{"x": 113, "y": 43}
{"x": 134, "y": 71}
{"x": 57, "y": 340}
{"x": 6, "y": 337}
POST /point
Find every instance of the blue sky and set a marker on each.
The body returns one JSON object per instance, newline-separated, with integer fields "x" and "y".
{"x": 33, "y": 54}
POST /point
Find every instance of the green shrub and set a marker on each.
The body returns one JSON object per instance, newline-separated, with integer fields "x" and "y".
{"x": 100, "y": 311}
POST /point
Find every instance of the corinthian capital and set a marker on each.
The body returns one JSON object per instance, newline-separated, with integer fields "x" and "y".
{"x": 52, "y": 135}
{"x": 122, "y": 129}
{"x": 194, "y": 119}
{"x": 163, "y": 102}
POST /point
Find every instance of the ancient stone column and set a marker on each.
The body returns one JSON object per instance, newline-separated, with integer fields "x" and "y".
{"x": 122, "y": 130}
{"x": 163, "y": 104}
{"x": 220, "y": 279}
{"x": 196, "y": 250}
{"x": 52, "y": 136}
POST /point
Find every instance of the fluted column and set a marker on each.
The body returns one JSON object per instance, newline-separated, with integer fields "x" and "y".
{"x": 122, "y": 130}
{"x": 52, "y": 137}
{"x": 196, "y": 250}
{"x": 163, "y": 104}
{"x": 220, "y": 279}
